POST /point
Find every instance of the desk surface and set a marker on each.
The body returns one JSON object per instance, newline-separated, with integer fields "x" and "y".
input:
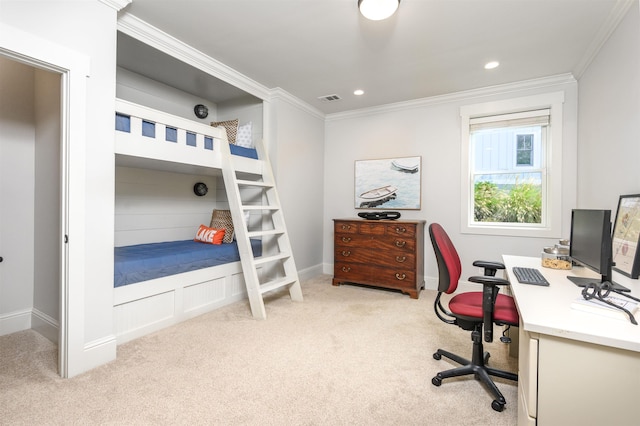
{"x": 547, "y": 310}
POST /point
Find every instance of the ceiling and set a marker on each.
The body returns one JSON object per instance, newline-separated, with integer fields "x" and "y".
{"x": 313, "y": 48}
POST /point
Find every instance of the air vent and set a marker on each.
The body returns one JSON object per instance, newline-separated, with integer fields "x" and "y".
{"x": 329, "y": 98}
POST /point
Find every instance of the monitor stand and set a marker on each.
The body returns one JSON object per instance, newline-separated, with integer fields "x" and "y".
{"x": 583, "y": 282}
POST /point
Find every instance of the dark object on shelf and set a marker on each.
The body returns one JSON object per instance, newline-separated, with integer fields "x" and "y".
{"x": 379, "y": 215}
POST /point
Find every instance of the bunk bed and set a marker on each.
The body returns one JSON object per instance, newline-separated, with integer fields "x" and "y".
{"x": 162, "y": 283}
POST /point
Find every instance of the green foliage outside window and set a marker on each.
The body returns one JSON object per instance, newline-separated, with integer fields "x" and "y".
{"x": 522, "y": 203}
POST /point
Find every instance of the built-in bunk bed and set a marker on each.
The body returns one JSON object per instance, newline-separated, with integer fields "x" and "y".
{"x": 160, "y": 283}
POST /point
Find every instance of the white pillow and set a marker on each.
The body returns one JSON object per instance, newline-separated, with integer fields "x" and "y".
{"x": 243, "y": 137}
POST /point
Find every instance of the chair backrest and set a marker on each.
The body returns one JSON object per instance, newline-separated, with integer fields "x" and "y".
{"x": 449, "y": 266}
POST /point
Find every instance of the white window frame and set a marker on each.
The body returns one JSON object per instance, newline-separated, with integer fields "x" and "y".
{"x": 552, "y": 224}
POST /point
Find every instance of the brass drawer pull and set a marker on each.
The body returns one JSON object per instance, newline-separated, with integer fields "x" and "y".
{"x": 346, "y": 253}
{"x": 400, "y": 243}
{"x": 346, "y": 239}
{"x": 401, "y": 230}
{"x": 401, "y": 276}
{"x": 346, "y": 269}
{"x": 401, "y": 259}
{"x": 346, "y": 227}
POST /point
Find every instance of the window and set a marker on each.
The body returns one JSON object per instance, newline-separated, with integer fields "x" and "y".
{"x": 524, "y": 150}
{"x": 508, "y": 150}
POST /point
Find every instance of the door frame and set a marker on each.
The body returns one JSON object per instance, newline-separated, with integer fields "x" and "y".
{"x": 73, "y": 69}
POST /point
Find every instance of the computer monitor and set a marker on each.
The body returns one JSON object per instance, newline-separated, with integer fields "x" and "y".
{"x": 590, "y": 245}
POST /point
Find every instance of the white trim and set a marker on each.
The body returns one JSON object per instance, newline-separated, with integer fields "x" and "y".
{"x": 117, "y": 5}
{"x": 553, "y": 227}
{"x": 281, "y": 94}
{"x": 13, "y": 322}
{"x": 613, "y": 20}
{"x": 467, "y": 95}
{"x": 74, "y": 69}
{"x": 148, "y": 34}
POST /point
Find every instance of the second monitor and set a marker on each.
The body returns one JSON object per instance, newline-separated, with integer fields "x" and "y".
{"x": 590, "y": 245}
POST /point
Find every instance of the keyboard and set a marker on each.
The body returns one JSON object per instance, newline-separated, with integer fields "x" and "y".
{"x": 529, "y": 276}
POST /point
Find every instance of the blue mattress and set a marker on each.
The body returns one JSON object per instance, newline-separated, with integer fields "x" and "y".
{"x": 148, "y": 261}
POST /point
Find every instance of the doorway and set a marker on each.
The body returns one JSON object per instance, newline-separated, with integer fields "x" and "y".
{"x": 31, "y": 194}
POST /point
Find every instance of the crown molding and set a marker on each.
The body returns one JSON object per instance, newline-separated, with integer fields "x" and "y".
{"x": 148, "y": 34}
{"x": 281, "y": 94}
{"x": 118, "y": 5}
{"x": 546, "y": 82}
{"x": 617, "y": 14}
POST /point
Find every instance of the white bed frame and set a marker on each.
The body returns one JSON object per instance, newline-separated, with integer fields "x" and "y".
{"x": 149, "y": 306}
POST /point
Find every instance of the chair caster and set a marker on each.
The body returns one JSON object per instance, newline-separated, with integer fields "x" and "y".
{"x": 437, "y": 381}
{"x": 437, "y": 356}
{"x": 496, "y": 405}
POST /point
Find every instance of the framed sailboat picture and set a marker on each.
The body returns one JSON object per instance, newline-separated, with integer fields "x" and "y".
{"x": 388, "y": 184}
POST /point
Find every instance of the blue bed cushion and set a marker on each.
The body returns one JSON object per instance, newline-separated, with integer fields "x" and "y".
{"x": 243, "y": 152}
{"x": 144, "y": 262}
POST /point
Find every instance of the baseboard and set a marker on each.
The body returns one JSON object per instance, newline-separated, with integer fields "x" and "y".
{"x": 98, "y": 352}
{"x": 15, "y": 321}
{"x": 45, "y": 325}
{"x": 311, "y": 272}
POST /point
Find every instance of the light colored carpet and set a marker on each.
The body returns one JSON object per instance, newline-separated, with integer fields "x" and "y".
{"x": 347, "y": 355}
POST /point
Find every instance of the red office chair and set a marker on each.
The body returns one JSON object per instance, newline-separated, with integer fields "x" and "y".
{"x": 472, "y": 311}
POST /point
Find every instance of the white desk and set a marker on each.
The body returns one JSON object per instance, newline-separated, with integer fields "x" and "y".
{"x": 574, "y": 367}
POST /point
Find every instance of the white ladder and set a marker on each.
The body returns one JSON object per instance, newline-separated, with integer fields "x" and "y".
{"x": 281, "y": 263}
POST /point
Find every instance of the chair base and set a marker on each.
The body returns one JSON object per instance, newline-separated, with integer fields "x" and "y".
{"x": 477, "y": 366}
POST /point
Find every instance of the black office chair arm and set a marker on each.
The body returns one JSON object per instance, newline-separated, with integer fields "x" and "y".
{"x": 490, "y": 268}
{"x": 489, "y": 280}
{"x": 490, "y": 289}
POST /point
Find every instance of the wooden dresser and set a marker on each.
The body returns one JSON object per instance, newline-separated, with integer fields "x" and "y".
{"x": 381, "y": 253}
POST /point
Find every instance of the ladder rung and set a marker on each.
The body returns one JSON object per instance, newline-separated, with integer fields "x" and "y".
{"x": 266, "y": 259}
{"x": 265, "y": 233}
{"x": 261, "y": 207}
{"x": 277, "y": 283}
{"x": 254, "y": 183}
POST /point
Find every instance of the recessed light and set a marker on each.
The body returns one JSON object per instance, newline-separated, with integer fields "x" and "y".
{"x": 491, "y": 65}
{"x": 358, "y": 92}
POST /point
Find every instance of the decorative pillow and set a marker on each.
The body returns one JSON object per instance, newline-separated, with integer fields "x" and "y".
{"x": 231, "y": 126}
{"x": 244, "y": 138}
{"x": 222, "y": 219}
{"x": 209, "y": 235}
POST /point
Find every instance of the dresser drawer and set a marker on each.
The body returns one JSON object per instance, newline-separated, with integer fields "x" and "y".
{"x": 401, "y": 230}
{"x": 375, "y": 243}
{"x": 392, "y": 259}
{"x": 345, "y": 228}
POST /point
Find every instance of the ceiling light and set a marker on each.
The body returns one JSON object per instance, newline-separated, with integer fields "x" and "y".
{"x": 377, "y": 10}
{"x": 491, "y": 65}
{"x": 358, "y": 92}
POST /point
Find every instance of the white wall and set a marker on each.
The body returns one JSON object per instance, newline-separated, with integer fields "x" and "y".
{"x": 298, "y": 161}
{"x": 17, "y": 182}
{"x": 609, "y": 119}
{"x": 431, "y": 129}
{"x": 153, "y": 206}
{"x": 141, "y": 90}
{"x": 609, "y": 123}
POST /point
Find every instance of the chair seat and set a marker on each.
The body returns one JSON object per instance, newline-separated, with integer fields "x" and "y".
{"x": 470, "y": 305}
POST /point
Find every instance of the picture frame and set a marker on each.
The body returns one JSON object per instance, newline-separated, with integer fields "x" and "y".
{"x": 388, "y": 183}
{"x": 626, "y": 236}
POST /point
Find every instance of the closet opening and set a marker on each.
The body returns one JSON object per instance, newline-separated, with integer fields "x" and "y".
{"x": 32, "y": 210}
